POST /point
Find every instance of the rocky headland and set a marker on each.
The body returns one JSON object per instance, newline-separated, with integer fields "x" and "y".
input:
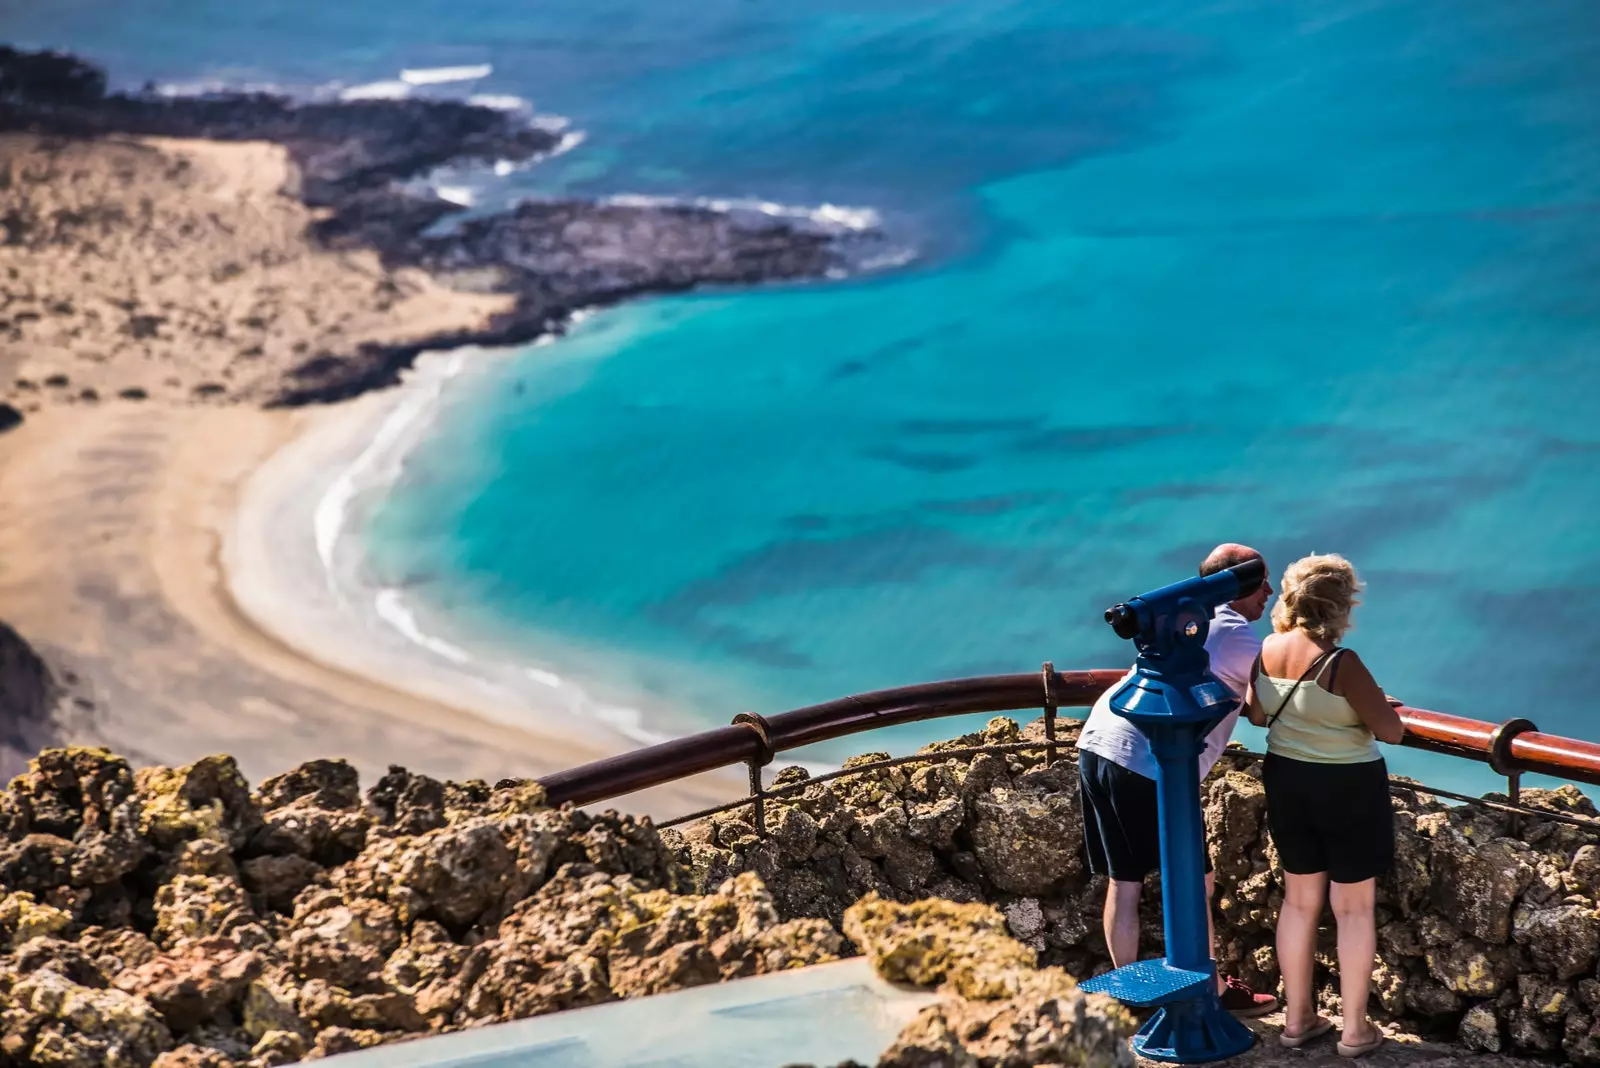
{"x": 174, "y": 916}
{"x": 123, "y": 239}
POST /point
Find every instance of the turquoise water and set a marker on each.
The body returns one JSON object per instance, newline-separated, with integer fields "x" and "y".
{"x": 1314, "y": 276}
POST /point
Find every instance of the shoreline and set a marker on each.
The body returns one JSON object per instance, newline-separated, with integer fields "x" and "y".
{"x": 156, "y": 630}
{"x": 294, "y": 566}
{"x": 164, "y": 548}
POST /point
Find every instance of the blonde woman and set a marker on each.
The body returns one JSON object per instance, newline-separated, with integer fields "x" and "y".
{"x": 1327, "y": 791}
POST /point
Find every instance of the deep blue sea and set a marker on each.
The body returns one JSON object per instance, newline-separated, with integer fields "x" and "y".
{"x": 1318, "y": 276}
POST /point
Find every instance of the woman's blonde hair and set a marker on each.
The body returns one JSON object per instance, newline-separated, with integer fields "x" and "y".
{"x": 1316, "y": 595}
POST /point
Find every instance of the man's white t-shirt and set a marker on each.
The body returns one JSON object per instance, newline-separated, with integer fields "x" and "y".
{"x": 1233, "y": 646}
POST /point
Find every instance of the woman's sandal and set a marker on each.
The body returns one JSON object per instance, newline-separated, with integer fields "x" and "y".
{"x": 1361, "y": 1049}
{"x": 1316, "y": 1030}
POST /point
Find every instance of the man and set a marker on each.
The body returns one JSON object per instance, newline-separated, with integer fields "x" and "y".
{"x": 1116, "y": 778}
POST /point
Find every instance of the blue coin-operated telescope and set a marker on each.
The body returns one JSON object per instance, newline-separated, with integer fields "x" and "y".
{"x": 1173, "y": 698}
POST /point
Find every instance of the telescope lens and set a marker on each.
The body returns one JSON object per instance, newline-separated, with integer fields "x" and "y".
{"x": 1123, "y": 620}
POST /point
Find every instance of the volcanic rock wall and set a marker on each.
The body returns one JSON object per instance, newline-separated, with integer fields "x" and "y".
{"x": 1483, "y": 936}
{"x": 172, "y": 916}
{"x": 175, "y": 917}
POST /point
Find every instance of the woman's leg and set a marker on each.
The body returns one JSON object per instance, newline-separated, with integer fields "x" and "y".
{"x": 1358, "y": 948}
{"x": 1297, "y": 943}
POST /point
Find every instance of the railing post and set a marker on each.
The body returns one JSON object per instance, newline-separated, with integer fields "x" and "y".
{"x": 1500, "y": 760}
{"x": 1049, "y": 670}
{"x": 758, "y": 760}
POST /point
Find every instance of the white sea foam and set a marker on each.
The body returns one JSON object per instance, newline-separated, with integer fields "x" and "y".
{"x": 830, "y": 216}
{"x": 385, "y": 90}
{"x": 332, "y": 511}
{"x": 393, "y": 610}
{"x": 898, "y": 257}
{"x": 445, "y": 75}
{"x": 545, "y": 678}
{"x": 457, "y": 194}
{"x": 500, "y": 102}
{"x": 567, "y": 143}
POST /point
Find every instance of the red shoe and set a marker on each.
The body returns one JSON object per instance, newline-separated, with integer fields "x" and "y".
{"x": 1243, "y": 1002}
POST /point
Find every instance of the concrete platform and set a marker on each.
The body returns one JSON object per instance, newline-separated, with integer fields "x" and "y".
{"x": 819, "y": 1015}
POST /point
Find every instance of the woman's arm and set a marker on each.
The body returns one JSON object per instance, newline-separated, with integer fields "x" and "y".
{"x": 1356, "y": 685}
{"x": 1252, "y": 700}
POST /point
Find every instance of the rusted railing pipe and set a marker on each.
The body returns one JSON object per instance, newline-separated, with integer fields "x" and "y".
{"x": 1512, "y": 748}
{"x": 683, "y": 757}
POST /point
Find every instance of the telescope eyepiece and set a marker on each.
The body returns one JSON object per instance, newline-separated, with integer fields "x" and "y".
{"x": 1124, "y": 620}
{"x": 1250, "y": 575}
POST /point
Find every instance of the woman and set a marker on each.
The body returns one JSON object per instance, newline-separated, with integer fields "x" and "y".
{"x": 1327, "y": 791}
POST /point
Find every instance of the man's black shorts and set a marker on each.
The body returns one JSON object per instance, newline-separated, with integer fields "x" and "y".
{"x": 1121, "y": 823}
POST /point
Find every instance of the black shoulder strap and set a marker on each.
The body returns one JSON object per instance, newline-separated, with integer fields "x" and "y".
{"x": 1332, "y": 668}
{"x": 1310, "y": 671}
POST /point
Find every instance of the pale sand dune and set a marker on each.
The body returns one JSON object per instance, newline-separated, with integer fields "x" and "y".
{"x": 116, "y": 516}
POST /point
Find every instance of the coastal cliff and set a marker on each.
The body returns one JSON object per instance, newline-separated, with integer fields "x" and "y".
{"x": 28, "y": 696}
{"x": 175, "y": 917}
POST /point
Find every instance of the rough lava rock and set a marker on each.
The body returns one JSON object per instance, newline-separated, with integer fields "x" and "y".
{"x": 301, "y": 920}
{"x": 998, "y": 1009}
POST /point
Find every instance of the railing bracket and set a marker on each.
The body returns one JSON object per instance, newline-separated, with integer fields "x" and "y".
{"x": 1500, "y": 760}
{"x": 760, "y": 759}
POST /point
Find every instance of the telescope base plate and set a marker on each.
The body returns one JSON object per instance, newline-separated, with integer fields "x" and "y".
{"x": 1148, "y": 983}
{"x": 1190, "y": 1026}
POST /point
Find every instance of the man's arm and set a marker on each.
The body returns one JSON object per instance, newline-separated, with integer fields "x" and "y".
{"x": 1233, "y": 652}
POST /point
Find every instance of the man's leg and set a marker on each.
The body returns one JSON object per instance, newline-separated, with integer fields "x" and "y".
{"x": 1122, "y": 920}
{"x": 1238, "y": 999}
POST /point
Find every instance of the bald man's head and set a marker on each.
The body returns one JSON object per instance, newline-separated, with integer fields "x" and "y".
{"x": 1227, "y": 555}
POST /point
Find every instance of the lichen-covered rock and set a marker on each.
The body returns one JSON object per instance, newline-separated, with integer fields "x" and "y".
{"x": 1477, "y": 884}
{"x": 1048, "y": 1021}
{"x": 1481, "y": 1029}
{"x": 1235, "y": 818}
{"x": 462, "y": 875}
{"x": 1563, "y": 940}
{"x": 344, "y": 1040}
{"x": 201, "y": 906}
{"x": 55, "y": 1021}
{"x": 1029, "y": 841}
{"x": 587, "y": 937}
{"x": 939, "y": 943}
{"x": 343, "y": 942}
{"x": 999, "y": 1010}
{"x": 22, "y": 918}
{"x": 277, "y": 1048}
{"x": 272, "y": 1004}
{"x": 200, "y": 983}
{"x": 192, "y": 1056}
{"x": 277, "y": 880}
{"x": 207, "y": 799}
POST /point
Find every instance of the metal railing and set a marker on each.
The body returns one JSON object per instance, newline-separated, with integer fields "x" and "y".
{"x": 1512, "y": 748}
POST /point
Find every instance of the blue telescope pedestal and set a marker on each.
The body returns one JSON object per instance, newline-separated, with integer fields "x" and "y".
{"x": 1175, "y": 701}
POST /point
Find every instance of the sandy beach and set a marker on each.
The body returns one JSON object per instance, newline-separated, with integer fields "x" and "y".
{"x": 158, "y": 541}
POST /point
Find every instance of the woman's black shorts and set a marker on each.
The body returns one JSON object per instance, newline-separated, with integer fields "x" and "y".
{"x": 1334, "y": 818}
